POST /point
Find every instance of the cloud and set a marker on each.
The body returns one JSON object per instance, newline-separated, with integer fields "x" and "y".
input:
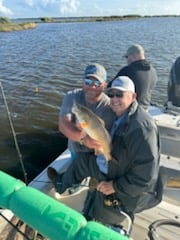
{"x": 69, "y": 6}
{"x": 44, "y": 3}
{"x": 4, "y": 10}
{"x": 30, "y": 3}
{"x": 97, "y": 9}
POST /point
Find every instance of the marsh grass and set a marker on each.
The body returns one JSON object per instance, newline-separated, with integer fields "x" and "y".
{"x": 7, "y": 26}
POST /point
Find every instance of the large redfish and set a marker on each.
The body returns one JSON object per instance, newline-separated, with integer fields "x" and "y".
{"x": 94, "y": 126}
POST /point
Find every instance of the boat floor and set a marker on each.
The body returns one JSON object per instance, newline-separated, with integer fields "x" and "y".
{"x": 11, "y": 233}
{"x": 163, "y": 211}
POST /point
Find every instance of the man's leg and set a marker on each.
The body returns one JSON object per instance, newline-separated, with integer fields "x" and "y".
{"x": 83, "y": 166}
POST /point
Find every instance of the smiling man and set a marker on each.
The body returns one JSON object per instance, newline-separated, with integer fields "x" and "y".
{"x": 91, "y": 96}
{"x": 122, "y": 95}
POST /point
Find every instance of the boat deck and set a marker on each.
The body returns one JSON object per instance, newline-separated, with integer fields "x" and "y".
{"x": 164, "y": 210}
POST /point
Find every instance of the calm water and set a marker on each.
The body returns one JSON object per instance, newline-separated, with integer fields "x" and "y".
{"x": 52, "y": 58}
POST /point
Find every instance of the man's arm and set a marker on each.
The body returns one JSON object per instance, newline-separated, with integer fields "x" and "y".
{"x": 74, "y": 133}
{"x": 70, "y": 130}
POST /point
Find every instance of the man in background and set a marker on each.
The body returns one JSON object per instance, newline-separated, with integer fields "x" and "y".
{"x": 142, "y": 73}
{"x": 174, "y": 84}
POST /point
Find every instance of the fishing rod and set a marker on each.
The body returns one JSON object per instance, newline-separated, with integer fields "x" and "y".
{"x": 14, "y": 134}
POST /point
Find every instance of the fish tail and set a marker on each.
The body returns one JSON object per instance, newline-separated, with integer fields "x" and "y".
{"x": 108, "y": 156}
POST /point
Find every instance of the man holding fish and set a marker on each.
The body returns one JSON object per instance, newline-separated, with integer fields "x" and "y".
{"x": 91, "y": 96}
{"x": 128, "y": 182}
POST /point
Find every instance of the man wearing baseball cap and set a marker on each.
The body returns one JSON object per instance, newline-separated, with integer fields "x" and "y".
{"x": 92, "y": 96}
{"x": 134, "y": 169}
{"x": 142, "y": 73}
{"x": 129, "y": 181}
{"x": 97, "y": 71}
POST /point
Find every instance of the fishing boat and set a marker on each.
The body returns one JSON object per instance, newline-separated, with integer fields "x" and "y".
{"x": 168, "y": 211}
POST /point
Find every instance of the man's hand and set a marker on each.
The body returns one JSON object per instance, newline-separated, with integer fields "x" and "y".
{"x": 91, "y": 143}
{"x": 105, "y": 187}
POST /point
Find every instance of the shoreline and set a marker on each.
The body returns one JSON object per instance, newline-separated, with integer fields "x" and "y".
{"x": 87, "y": 19}
{"x": 8, "y": 25}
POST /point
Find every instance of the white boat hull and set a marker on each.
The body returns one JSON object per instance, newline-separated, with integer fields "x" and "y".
{"x": 169, "y": 127}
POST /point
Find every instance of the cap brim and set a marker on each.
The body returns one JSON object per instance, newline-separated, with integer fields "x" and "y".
{"x": 95, "y": 76}
{"x": 116, "y": 88}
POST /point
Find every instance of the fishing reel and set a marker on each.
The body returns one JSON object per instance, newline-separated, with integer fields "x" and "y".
{"x": 111, "y": 202}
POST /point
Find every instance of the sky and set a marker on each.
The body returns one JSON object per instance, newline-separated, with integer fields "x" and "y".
{"x": 77, "y": 8}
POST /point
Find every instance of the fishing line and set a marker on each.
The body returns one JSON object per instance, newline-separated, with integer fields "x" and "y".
{"x": 59, "y": 183}
{"x": 15, "y": 226}
{"x": 14, "y": 135}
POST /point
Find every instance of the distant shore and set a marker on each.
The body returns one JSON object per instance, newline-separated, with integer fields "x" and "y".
{"x": 88, "y": 19}
{"x": 78, "y": 19}
{"x": 7, "y": 25}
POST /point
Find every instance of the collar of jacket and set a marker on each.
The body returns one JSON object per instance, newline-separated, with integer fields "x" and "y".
{"x": 133, "y": 108}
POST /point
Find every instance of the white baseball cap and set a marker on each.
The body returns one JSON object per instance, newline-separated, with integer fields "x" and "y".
{"x": 122, "y": 83}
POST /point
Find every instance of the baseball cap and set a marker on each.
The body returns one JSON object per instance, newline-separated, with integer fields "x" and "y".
{"x": 122, "y": 83}
{"x": 96, "y": 70}
{"x": 136, "y": 48}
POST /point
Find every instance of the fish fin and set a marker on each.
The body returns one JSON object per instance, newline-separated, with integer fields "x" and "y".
{"x": 97, "y": 152}
{"x": 102, "y": 121}
{"x": 100, "y": 151}
{"x": 109, "y": 157}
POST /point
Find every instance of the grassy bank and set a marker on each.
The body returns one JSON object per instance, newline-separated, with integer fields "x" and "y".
{"x": 7, "y": 26}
